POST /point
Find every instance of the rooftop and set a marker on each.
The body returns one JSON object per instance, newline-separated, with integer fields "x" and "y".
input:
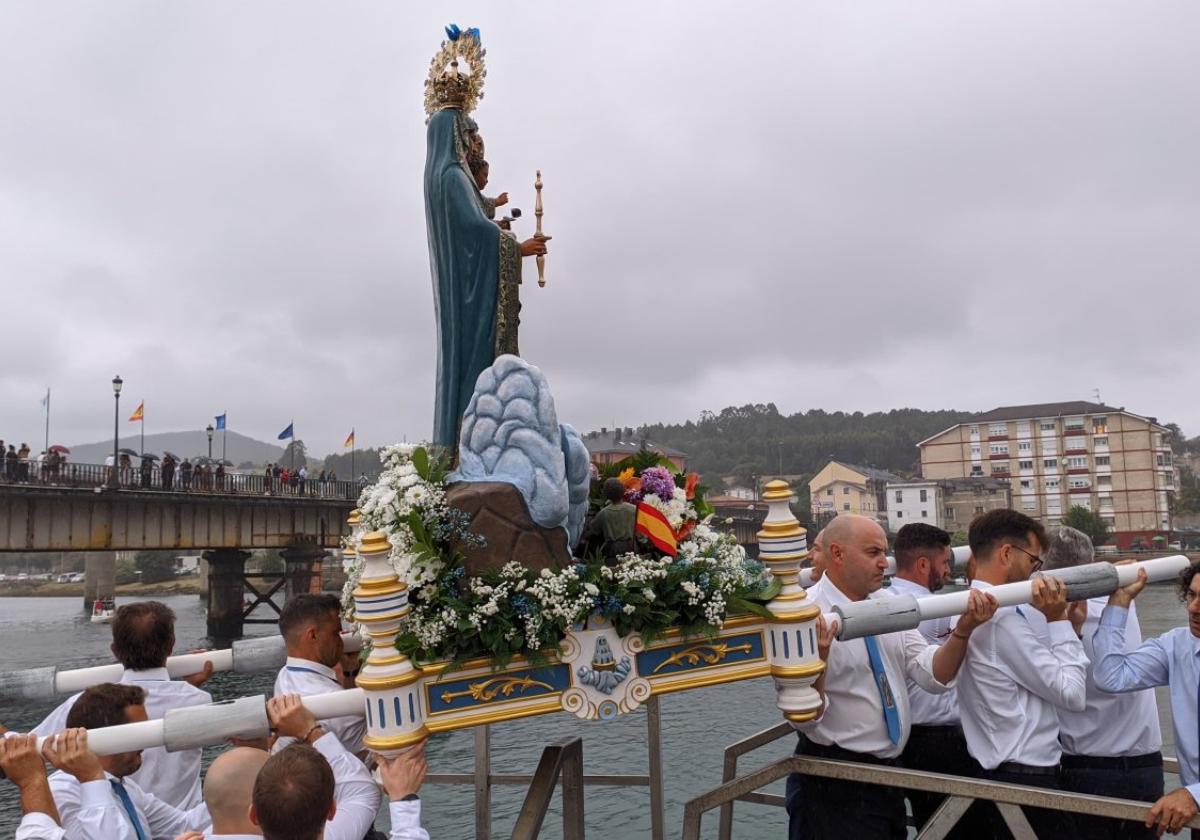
{"x": 1058, "y": 409}
{"x": 625, "y": 441}
{"x": 871, "y": 472}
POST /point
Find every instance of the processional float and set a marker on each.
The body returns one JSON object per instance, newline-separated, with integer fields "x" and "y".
{"x": 514, "y": 455}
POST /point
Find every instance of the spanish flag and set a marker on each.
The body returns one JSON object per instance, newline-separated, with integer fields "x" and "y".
{"x": 653, "y": 525}
{"x": 139, "y": 414}
{"x": 349, "y": 444}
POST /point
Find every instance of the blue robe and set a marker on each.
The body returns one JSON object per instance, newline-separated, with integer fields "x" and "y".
{"x": 469, "y": 257}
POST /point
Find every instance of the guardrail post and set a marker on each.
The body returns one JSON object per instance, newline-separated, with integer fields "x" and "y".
{"x": 565, "y": 757}
{"x": 483, "y": 783}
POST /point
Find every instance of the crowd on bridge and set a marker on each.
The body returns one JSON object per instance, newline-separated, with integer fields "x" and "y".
{"x": 19, "y": 465}
{"x": 1055, "y": 695}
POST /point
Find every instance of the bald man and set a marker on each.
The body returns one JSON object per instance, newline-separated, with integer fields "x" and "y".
{"x": 866, "y": 716}
{"x": 227, "y": 791}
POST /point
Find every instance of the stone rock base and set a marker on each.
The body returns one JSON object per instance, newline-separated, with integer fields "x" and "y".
{"x": 499, "y": 514}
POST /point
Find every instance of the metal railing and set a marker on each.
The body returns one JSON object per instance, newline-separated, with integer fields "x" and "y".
{"x": 565, "y": 760}
{"x": 483, "y": 779}
{"x": 156, "y": 479}
{"x": 959, "y": 790}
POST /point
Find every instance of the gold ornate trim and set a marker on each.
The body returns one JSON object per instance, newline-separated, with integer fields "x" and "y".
{"x": 488, "y": 690}
{"x": 794, "y": 671}
{"x": 708, "y": 653}
{"x": 398, "y": 741}
{"x": 805, "y": 614}
{"x": 706, "y": 676}
{"x": 451, "y": 721}
{"x": 386, "y": 683}
{"x": 801, "y": 717}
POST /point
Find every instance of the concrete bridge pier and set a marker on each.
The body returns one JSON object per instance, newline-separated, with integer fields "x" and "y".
{"x": 303, "y": 564}
{"x": 99, "y": 577}
{"x": 226, "y": 593}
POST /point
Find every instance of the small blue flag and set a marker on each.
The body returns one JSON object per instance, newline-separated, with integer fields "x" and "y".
{"x": 286, "y": 433}
{"x": 220, "y": 422}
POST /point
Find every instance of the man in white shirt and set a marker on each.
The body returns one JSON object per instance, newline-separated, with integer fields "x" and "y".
{"x": 1114, "y": 746}
{"x": 231, "y": 780}
{"x": 143, "y": 638}
{"x": 23, "y": 765}
{"x": 1013, "y": 684}
{"x": 866, "y": 716}
{"x": 935, "y": 743}
{"x": 95, "y": 796}
{"x": 311, "y": 627}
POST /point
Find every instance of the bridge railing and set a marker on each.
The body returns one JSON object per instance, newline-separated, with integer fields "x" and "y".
{"x": 157, "y": 479}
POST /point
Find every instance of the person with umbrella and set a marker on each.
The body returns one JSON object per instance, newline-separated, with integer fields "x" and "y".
{"x": 147, "y": 470}
{"x": 185, "y": 474}
{"x": 168, "y": 471}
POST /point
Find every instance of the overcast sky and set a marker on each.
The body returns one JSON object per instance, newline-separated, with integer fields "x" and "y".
{"x": 831, "y": 205}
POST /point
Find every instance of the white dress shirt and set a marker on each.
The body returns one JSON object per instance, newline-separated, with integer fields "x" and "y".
{"x": 852, "y": 717}
{"x": 173, "y": 777}
{"x": 1173, "y": 660}
{"x": 92, "y": 811}
{"x": 38, "y": 826}
{"x": 1012, "y": 685}
{"x": 928, "y": 709}
{"x": 300, "y": 676}
{"x": 354, "y": 790}
{"x": 406, "y": 821}
{"x": 1111, "y": 724}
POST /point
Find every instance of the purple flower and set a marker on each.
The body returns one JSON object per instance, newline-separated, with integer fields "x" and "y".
{"x": 659, "y": 481}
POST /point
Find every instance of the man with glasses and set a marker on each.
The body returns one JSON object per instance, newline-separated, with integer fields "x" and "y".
{"x": 1013, "y": 683}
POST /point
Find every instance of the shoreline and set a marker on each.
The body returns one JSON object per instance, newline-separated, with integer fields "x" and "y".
{"x": 190, "y": 586}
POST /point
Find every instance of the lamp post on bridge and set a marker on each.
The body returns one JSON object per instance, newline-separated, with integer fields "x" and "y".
{"x": 210, "y": 434}
{"x": 114, "y": 481}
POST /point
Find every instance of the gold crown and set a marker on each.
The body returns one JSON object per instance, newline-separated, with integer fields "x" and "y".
{"x": 450, "y": 83}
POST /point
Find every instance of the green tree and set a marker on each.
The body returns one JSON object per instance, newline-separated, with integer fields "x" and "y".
{"x": 155, "y": 566}
{"x": 126, "y": 571}
{"x": 1090, "y": 523}
{"x": 958, "y": 538}
{"x": 294, "y": 448}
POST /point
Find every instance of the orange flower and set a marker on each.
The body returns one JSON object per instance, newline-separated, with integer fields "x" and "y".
{"x": 632, "y": 483}
{"x": 692, "y": 480}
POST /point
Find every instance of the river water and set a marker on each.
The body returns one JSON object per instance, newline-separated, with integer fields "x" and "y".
{"x": 697, "y": 726}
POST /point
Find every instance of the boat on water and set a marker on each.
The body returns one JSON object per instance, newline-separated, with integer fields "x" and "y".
{"x": 103, "y": 610}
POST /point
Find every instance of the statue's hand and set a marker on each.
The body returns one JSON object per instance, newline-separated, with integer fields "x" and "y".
{"x": 502, "y": 199}
{"x": 535, "y": 246}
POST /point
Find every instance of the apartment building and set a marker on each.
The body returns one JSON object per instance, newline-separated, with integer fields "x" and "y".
{"x": 1054, "y": 456}
{"x": 949, "y": 503}
{"x": 848, "y": 488}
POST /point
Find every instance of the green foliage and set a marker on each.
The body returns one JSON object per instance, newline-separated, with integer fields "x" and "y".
{"x": 1090, "y": 523}
{"x": 126, "y": 571}
{"x": 155, "y": 566}
{"x": 958, "y": 538}
{"x": 347, "y": 467}
{"x": 1187, "y": 500}
{"x": 296, "y": 449}
{"x": 746, "y": 440}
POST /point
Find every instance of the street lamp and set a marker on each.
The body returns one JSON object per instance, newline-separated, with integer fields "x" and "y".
{"x": 114, "y": 481}
{"x": 210, "y": 431}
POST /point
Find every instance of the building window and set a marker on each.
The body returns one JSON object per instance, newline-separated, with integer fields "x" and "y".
{"x": 1102, "y": 461}
{"x": 924, "y": 515}
{"x": 1026, "y": 484}
{"x": 1029, "y": 504}
{"x": 1025, "y": 446}
{"x": 1077, "y": 462}
{"x": 899, "y": 514}
{"x": 845, "y": 491}
{"x": 1099, "y": 425}
{"x": 999, "y": 467}
{"x": 1050, "y": 463}
{"x": 1025, "y": 465}
{"x": 899, "y": 496}
{"x": 1104, "y": 480}
{"x": 1048, "y": 426}
{"x": 828, "y": 491}
{"x": 924, "y": 495}
{"x": 846, "y": 506}
{"x": 977, "y": 471}
{"x": 1106, "y": 503}
{"x": 1100, "y": 441}
{"x": 975, "y": 451}
{"x": 1073, "y": 424}
{"x": 1079, "y": 482}
{"x": 1052, "y": 484}
{"x": 1158, "y": 459}
{"x": 999, "y": 448}
{"x": 997, "y": 429}
{"x": 949, "y": 512}
{"x": 979, "y": 508}
{"x": 974, "y": 431}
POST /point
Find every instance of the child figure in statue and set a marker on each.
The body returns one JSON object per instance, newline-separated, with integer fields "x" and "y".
{"x": 479, "y": 171}
{"x": 614, "y": 523}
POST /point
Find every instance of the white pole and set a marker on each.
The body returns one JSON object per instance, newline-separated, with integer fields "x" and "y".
{"x": 958, "y": 559}
{"x": 904, "y": 612}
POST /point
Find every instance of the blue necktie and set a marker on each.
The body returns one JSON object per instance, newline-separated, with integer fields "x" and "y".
{"x": 891, "y": 715}
{"x": 127, "y": 803}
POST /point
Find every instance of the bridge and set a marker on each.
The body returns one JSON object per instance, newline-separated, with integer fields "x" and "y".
{"x": 84, "y": 509}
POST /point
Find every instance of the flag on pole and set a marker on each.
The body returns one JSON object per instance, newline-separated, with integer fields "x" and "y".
{"x": 653, "y": 525}
{"x": 139, "y": 413}
{"x": 287, "y": 433}
{"x": 349, "y": 444}
{"x": 220, "y": 422}
{"x": 46, "y": 399}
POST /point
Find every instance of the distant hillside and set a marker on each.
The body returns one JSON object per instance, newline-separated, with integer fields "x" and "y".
{"x": 238, "y": 448}
{"x": 758, "y": 440}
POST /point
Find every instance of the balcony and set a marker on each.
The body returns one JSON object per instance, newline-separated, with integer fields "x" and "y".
{"x": 998, "y": 437}
{"x": 998, "y": 456}
{"x": 1001, "y": 474}
{"x": 1078, "y": 471}
{"x": 1073, "y": 432}
{"x": 1087, "y": 489}
{"x": 1076, "y": 447}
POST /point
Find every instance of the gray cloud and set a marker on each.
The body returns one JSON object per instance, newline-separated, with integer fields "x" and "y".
{"x": 822, "y": 205}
